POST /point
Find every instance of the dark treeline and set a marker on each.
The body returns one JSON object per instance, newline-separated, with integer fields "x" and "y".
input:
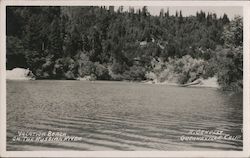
{"x": 73, "y": 42}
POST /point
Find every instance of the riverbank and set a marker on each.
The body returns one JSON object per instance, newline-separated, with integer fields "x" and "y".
{"x": 208, "y": 83}
{"x": 24, "y": 74}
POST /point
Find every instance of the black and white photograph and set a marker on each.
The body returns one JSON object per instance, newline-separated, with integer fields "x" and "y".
{"x": 124, "y": 78}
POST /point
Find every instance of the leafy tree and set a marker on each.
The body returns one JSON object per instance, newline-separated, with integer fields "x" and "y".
{"x": 233, "y": 33}
{"x": 230, "y": 59}
{"x": 70, "y": 42}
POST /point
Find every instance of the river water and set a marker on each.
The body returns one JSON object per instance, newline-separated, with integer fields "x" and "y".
{"x": 120, "y": 116}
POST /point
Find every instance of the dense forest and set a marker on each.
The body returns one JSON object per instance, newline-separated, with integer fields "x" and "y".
{"x": 107, "y": 44}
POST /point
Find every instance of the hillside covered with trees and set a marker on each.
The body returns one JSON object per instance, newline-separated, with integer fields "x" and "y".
{"x": 108, "y": 44}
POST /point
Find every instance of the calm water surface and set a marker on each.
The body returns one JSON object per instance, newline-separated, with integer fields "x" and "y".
{"x": 120, "y": 115}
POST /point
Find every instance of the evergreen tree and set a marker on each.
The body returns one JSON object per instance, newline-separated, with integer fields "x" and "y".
{"x": 59, "y": 42}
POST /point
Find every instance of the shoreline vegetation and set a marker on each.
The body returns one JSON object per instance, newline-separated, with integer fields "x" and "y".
{"x": 20, "y": 74}
{"x": 100, "y": 43}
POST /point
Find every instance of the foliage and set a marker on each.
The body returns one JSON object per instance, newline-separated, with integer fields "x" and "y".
{"x": 16, "y": 52}
{"x": 71, "y": 42}
{"x": 230, "y": 73}
{"x": 135, "y": 72}
{"x": 183, "y": 70}
{"x": 233, "y": 33}
{"x": 229, "y": 60}
{"x": 101, "y": 72}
